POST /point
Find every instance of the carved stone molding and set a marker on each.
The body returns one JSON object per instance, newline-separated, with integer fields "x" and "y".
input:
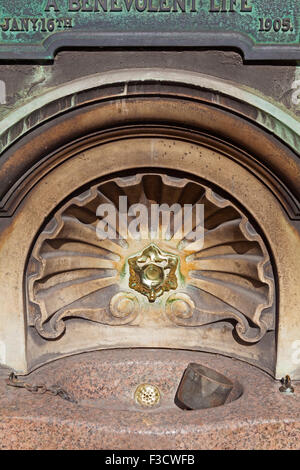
{"x": 172, "y": 100}
{"x": 159, "y": 278}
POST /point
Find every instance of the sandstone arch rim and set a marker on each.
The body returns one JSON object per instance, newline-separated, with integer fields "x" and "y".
{"x": 34, "y": 143}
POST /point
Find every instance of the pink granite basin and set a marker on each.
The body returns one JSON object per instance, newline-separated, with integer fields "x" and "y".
{"x": 107, "y": 417}
{"x": 108, "y": 379}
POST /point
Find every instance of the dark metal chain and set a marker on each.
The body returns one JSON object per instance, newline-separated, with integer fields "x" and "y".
{"x": 14, "y": 381}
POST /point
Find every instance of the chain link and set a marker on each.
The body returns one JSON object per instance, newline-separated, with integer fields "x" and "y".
{"x": 56, "y": 390}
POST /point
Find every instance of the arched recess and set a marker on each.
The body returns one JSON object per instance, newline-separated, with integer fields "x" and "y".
{"x": 76, "y": 141}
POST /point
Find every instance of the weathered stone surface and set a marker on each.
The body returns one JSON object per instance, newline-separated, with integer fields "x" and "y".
{"x": 167, "y": 131}
{"x": 107, "y": 417}
{"x": 225, "y": 274}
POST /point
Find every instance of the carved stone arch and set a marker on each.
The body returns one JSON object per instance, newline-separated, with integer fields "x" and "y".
{"x": 171, "y": 130}
{"x": 265, "y": 137}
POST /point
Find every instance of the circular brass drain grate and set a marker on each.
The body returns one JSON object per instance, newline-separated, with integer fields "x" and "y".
{"x": 147, "y": 395}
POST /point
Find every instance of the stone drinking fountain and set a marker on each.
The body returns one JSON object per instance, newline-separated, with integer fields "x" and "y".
{"x": 117, "y": 332}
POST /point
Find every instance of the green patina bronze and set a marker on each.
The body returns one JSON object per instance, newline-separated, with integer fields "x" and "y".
{"x": 262, "y": 29}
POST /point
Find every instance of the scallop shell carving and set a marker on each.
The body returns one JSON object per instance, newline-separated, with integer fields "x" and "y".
{"x": 228, "y": 277}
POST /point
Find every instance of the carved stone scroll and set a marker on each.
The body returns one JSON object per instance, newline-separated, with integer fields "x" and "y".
{"x": 226, "y": 276}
